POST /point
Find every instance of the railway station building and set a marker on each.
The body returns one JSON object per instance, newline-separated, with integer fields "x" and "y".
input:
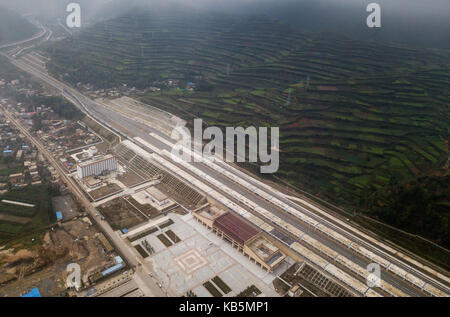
{"x": 243, "y": 236}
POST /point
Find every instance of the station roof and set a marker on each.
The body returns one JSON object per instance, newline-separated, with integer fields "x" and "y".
{"x": 235, "y": 227}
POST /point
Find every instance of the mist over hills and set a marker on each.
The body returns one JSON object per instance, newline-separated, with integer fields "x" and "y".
{"x": 14, "y": 27}
{"x": 412, "y": 22}
{"x": 49, "y": 11}
{"x": 415, "y": 23}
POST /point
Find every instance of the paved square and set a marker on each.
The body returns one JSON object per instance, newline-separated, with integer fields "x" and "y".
{"x": 190, "y": 261}
{"x": 201, "y": 256}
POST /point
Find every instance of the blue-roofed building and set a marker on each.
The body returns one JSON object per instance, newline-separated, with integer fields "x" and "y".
{"x": 59, "y": 215}
{"x": 33, "y": 293}
{"x": 112, "y": 269}
{"x": 124, "y": 230}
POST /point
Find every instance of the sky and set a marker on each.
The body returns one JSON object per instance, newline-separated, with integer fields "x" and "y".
{"x": 409, "y": 7}
{"x": 410, "y": 21}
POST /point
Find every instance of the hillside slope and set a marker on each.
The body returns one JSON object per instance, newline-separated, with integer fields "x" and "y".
{"x": 13, "y": 27}
{"x": 353, "y": 115}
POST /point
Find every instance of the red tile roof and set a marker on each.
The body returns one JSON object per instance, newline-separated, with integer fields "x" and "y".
{"x": 235, "y": 227}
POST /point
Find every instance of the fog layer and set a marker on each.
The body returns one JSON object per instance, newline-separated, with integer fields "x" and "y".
{"x": 412, "y": 22}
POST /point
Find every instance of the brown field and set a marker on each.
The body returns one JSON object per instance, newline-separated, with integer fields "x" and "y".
{"x": 130, "y": 178}
{"x": 103, "y": 191}
{"x": 120, "y": 214}
{"x": 146, "y": 209}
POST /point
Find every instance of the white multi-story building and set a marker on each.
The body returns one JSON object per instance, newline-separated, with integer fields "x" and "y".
{"x": 97, "y": 166}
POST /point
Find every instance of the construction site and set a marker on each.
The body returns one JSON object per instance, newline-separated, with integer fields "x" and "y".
{"x": 45, "y": 266}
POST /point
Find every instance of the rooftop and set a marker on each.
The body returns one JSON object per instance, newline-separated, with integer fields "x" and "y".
{"x": 105, "y": 243}
{"x": 235, "y": 227}
{"x": 263, "y": 248}
{"x": 211, "y": 212}
{"x": 156, "y": 193}
{"x": 96, "y": 159}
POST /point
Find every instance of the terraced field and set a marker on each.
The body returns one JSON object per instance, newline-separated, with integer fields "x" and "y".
{"x": 139, "y": 48}
{"x": 355, "y": 117}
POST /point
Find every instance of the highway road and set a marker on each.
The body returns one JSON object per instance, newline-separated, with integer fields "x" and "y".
{"x": 40, "y": 34}
{"x": 132, "y": 128}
